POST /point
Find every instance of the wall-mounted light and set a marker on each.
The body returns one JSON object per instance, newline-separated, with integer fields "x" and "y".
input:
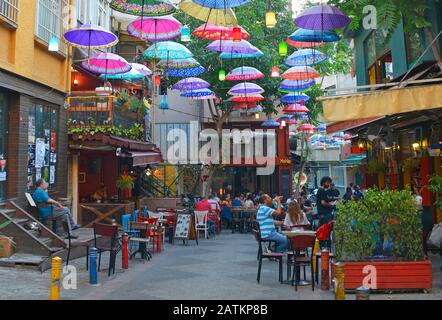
{"x": 53, "y": 44}
{"x": 416, "y": 146}
{"x": 75, "y": 82}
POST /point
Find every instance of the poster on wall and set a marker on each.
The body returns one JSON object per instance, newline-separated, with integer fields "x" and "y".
{"x": 2, "y": 169}
{"x": 37, "y": 174}
{"x": 31, "y": 130}
{"x": 53, "y": 158}
{"x": 40, "y": 151}
{"x": 52, "y": 175}
{"x": 53, "y": 141}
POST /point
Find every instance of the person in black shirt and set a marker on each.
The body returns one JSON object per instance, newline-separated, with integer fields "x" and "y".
{"x": 332, "y": 192}
{"x": 323, "y": 202}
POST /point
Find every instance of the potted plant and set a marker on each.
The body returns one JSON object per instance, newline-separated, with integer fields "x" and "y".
{"x": 382, "y": 233}
{"x": 435, "y": 186}
{"x": 7, "y": 244}
{"x": 126, "y": 183}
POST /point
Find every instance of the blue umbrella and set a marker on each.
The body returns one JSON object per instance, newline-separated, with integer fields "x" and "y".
{"x": 305, "y": 57}
{"x": 270, "y": 123}
{"x": 322, "y": 127}
{"x": 198, "y": 93}
{"x": 305, "y": 35}
{"x": 295, "y": 85}
{"x": 229, "y": 55}
{"x": 221, "y": 4}
{"x": 294, "y": 98}
{"x": 187, "y": 72}
{"x": 168, "y": 50}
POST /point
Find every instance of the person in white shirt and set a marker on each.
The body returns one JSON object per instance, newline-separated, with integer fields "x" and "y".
{"x": 214, "y": 204}
{"x": 295, "y": 216}
{"x": 249, "y": 202}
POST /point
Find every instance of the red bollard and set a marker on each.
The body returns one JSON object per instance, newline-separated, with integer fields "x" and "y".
{"x": 325, "y": 269}
{"x": 125, "y": 251}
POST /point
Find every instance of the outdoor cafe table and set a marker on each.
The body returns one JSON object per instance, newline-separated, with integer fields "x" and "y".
{"x": 243, "y": 214}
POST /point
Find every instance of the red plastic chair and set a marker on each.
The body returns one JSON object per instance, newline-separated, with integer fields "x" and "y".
{"x": 156, "y": 235}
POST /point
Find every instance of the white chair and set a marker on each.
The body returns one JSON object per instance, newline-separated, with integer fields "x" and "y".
{"x": 201, "y": 222}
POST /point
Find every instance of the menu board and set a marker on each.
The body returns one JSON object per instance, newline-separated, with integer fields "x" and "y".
{"x": 182, "y": 228}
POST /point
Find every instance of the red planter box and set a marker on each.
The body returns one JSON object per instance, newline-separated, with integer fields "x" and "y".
{"x": 391, "y": 275}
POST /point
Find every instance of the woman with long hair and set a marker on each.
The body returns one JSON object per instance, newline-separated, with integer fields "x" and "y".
{"x": 295, "y": 216}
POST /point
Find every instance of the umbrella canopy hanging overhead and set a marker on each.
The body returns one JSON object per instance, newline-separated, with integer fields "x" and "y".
{"x": 245, "y": 88}
{"x": 184, "y": 72}
{"x": 295, "y": 108}
{"x": 145, "y": 71}
{"x": 296, "y": 85}
{"x": 230, "y": 46}
{"x": 247, "y": 98}
{"x": 244, "y": 74}
{"x": 210, "y": 31}
{"x": 198, "y": 93}
{"x": 221, "y": 4}
{"x": 295, "y": 98}
{"x": 191, "y": 84}
{"x": 155, "y": 28}
{"x": 305, "y": 57}
{"x": 270, "y": 123}
{"x": 300, "y": 73}
{"x": 287, "y": 120}
{"x": 219, "y": 17}
{"x": 306, "y": 127}
{"x": 229, "y": 55}
{"x": 131, "y": 75}
{"x": 90, "y": 36}
{"x": 212, "y": 97}
{"x": 322, "y": 127}
{"x": 305, "y": 35}
{"x": 178, "y": 64}
{"x": 146, "y": 8}
{"x": 168, "y": 50}
{"x": 301, "y": 44}
{"x": 245, "y": 106}
{"x": 106, "y": 63}
{"x": 322, "y": 18}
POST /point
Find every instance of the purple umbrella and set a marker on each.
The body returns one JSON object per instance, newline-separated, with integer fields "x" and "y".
{"x": 246, "y": 88}
{"x": 145, "y": 71}
{"x": 191, "y": 84}
{"x": 90, "y": 36}
{"x": 232, "y": 47}
{"x": 322, "y": 18}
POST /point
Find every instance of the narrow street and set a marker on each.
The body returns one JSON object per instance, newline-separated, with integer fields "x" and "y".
{"x": 218, "y": 269}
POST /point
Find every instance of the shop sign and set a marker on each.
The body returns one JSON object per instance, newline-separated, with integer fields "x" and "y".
{"x": 285, "y": 161}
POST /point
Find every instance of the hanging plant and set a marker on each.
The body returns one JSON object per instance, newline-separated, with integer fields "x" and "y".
{"x": 125, "y": 182}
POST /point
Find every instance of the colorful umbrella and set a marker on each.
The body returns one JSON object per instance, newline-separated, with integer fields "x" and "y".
{"x": 322, "y": 127}
{"x": 198, "y": 93}
{"x": 347, "y": 137}
{"x": 212, "y": 97}
{"x": 301, "y": 44}
{"x": 296, "y": 85}
{"x": 191, "y": 84}
{"x": 155, "y": 28}
{"x": 90, "y": 36}
{"x": 219, "y": 17}
{"x": 229, "y": 55}
{"x": 244, "y": 74}
{"x": 292, "y": 98}
{"x": 213, "y": 32}
{"x": 295, "y": 108}
{"x": 145, "y": 71}
{"x": 184, "y": 72}
{"x": 247, "y": 98}
{"x": 305, "y": 35}
{"x": 245, "y": 105}
{"x": 305, "y": 57}
{"x": 178, "y": 64}
{"x": 245, "y": 88}
{"x": 300, "y": 73}
{"x": 322, "y": 18}
{"x": 270, "y": 123}
{"x": 168, "y": 50}
{"x": 230, "y": 46}
{"x": 106, "y": 63}
{"x": 146, "y": 8}
{"x": 221, "y": 4}
{"x": 306, "y": 127}
{"x": 287, "y": 120}
{"x": 131, "y": 75}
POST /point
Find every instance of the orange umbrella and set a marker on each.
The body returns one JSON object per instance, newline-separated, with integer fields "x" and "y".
{"x": 301, "y": 73}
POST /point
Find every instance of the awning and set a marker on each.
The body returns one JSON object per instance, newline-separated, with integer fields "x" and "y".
{"x": 350, "y": 124}
{"x": 382, "y": 103}
{"x": 355, "y": 160}
{"x": 145, "y": 158}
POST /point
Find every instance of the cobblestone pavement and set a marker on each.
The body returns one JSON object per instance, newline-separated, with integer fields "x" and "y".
{"x": 217, "y": 269}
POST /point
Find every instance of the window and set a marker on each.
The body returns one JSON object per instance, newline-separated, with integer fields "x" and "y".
{"x": 82, "y": 9}
{"x": 50, "y": 20}
{"x": 9, "y": 9}
{"x": 414, "y": 44}
{"x": 378, "y": 58}
{"x": 102, "y": 13}
{"x": 42, "y": 144}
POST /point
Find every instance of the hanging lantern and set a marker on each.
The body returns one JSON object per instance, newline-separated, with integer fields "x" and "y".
{"x": 283, "y": 49}
{"x": 222, "y": 75}
{"x": 164, "y": 104}
{"x": 237, "y": 34}
{"x": 257, "y": 115}
{"x": 185, "y": 34}
{"x": 53, "y": 44}
{"x": 157, "y": 81}
{"x": 275, "y": 72}
{"x": 283, "y": 124}
{"x": 270, "y": 19}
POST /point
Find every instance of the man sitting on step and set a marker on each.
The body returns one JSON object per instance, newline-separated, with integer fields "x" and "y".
{"x": 59, "y": 212}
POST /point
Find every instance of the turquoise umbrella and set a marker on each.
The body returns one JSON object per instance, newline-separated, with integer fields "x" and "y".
{"x": 131, "y": 75}
{"x": 168, "y": 50}
{"x": 229, "y": 55}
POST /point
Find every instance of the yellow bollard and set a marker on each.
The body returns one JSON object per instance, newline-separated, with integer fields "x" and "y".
{"x": 55, "y": 278}
{"x": 339, "y": 281}
{"x": 315, "y": 251}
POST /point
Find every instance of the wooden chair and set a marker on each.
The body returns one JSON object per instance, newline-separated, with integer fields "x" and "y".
{"x": 201, "y": 222}
{"x": 143, "y": 239}
{"x": 35, "y": 207}
{"x": 109, "y": 241}
{"x": 302, "y": 243}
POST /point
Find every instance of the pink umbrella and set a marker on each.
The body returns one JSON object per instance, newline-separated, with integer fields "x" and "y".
{"x": 300, "y": 73}
{"x": 211, "y": 31}
{"x": 155, "y": 28}
{"x": 295, "y": 108}
{"x": 106, "y": 63}
{"x": 306, "y": 127}
{"x": 347, "y": 136}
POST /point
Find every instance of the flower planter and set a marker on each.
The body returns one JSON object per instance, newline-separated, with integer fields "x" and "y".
{"x": 6, "y": 248}
{"x": 391, "y": 275}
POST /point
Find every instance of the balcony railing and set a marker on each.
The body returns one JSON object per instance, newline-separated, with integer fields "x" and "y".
{"x": 9, "y": 9}
{"x": 91, "y": 111}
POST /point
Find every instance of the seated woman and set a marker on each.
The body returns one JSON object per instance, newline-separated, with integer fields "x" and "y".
{"x": 226, "y": 212}
{"x": 295, "y": 217}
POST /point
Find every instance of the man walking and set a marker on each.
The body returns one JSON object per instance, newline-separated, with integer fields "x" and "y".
{"x": 324, "y": 202}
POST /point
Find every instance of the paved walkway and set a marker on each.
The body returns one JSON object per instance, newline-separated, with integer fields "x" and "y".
{"x": 218, "y": 269}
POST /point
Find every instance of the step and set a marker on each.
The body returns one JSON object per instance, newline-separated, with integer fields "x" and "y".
{"x": 9, "y": 212}
{"x": 20, "y": 220}
{"x": 22, "y": 260}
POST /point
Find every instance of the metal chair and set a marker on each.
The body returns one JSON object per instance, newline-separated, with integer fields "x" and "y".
{"x": 108, "y": 241}
{"x": 77, "y": 244}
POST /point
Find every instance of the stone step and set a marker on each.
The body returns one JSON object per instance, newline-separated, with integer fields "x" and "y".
{"x": 9, "y": 212}
{"x": 20, "y": 220}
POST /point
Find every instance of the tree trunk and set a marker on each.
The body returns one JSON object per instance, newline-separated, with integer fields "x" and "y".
{"x": 301, "y": 169}
{"x": 211, "y": 170}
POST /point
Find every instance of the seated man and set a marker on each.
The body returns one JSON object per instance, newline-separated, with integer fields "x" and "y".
{"x": 59, "y": 212}
{"x": 266, "y": 224}
{"x": 204, "y": 205}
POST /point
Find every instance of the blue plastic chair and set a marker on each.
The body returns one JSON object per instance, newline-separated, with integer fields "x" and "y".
{"x": 135, "y": 216}
{"x": 125, "y": 225}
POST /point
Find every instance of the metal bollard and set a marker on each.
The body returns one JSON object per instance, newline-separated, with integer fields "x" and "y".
{"x": 362, "y": 293}
{"x": 125, "y": 251}
{"x": 339, "y": 281}
{"x": 325, "y": 268}
{"x": 93, "y": 275}
{"x": 55, "y": 279}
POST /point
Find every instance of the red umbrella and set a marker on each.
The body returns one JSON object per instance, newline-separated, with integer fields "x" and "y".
{"x": 211, "y": 31}
{"x": 245, "y": 105}
{"x": 301, "y": 73}
{"x": 247, "y": 98}
{"x": 306, "y": 127}
{"x": 295, "y": 108}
